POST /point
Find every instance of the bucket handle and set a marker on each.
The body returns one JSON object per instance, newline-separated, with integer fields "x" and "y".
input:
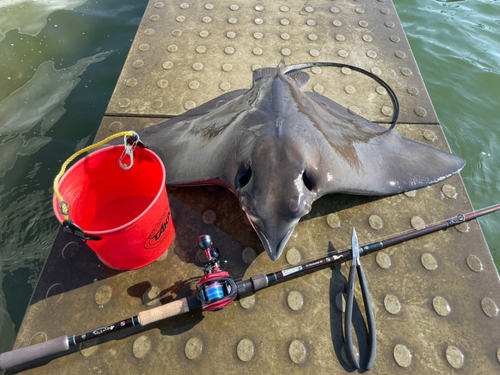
{"x": 131, "y": 139}
{"x": 70, "y": 227}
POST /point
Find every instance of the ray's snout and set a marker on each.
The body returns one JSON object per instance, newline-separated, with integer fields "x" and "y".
{"x": 274, "y": 200}
{"x": 273, "y": 239}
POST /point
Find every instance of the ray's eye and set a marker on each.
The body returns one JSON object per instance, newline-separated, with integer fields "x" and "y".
{"x": 308, "y": 183}
{"x": 243, "y": 176}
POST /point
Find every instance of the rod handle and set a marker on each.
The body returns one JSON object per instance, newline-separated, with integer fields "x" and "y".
{"x": 162, "y": 312}
{"x": 30, "y": 353}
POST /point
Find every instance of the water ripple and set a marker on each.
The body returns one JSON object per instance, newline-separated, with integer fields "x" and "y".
{"x": 457, "y": 47}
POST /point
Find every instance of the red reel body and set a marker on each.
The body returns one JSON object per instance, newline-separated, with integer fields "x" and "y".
{"x": 216, "y": 289}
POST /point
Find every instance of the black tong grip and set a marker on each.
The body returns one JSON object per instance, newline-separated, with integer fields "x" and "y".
{"x": 369, "y": 317}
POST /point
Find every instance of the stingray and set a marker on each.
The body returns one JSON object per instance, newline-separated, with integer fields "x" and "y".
{"x": 279, "y": 149}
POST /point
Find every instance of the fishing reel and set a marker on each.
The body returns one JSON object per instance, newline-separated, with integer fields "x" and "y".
{"x": 216, "y": 289}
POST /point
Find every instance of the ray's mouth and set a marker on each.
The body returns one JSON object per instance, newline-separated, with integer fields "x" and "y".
{"x": 274, "y": 251}
{"x": 282, "y": 243}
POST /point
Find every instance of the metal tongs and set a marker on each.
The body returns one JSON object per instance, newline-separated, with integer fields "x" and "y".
{"x": 372, "y": 339}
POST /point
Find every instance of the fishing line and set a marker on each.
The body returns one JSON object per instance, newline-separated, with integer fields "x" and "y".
{"x": 363, "y": 243}
{"x": 217, "y": 289}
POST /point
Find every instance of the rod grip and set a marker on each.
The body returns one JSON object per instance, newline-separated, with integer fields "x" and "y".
{"x": 162, "y": 312}
{"x": 259, "y": 282}
{"x": 30, "y": 353}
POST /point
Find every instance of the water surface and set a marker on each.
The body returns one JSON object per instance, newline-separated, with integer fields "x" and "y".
{"x": 457, "y": 48}
{"x": 59, "y": 63}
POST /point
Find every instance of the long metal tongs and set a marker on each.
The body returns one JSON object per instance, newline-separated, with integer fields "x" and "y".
{"x": 372, "y": 339}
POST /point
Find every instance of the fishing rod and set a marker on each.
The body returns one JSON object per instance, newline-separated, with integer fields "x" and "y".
{"x": 217, "y": 289}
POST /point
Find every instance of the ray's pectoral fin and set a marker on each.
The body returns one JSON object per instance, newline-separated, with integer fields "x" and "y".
{"x": 302, "y": 78}
{"x": 209, "y": 106}
{"x": 390, "y": 163}
{"x": 194, "y": 146}
{"x": 365, "y": 158}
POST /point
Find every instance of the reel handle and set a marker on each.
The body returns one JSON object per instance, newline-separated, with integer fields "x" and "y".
{"x": 205, "y": 243}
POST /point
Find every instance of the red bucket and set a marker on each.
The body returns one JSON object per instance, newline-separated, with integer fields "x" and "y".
{"x": 128, "y": 209}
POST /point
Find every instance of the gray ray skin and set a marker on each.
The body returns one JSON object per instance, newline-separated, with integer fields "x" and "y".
{"x": 279, "y": 149}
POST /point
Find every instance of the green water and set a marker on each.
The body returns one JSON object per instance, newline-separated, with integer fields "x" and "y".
{"x": 457, "y": 48}
{"x": 58, "y": 69}
{"x": 59, "y": 63}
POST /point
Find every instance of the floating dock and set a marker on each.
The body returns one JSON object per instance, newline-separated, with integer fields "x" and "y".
{"x": 435, "y": 298}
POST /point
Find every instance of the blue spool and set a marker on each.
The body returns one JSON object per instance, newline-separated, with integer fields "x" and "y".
{"x": 214, "y": 291}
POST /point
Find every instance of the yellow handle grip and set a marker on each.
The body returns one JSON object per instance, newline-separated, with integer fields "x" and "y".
{"x": 64, "y": 206}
